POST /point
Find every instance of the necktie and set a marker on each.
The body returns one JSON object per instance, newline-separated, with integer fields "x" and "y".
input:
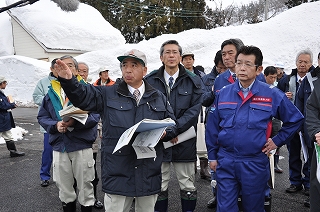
{"x": 136, "y": 94}
{"x": 170, "y": 82}
{"x": 234, "y": 77}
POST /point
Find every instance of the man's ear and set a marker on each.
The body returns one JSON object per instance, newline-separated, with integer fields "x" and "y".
{"x": 259, "y": 70}
{"x": 145, "y": 69}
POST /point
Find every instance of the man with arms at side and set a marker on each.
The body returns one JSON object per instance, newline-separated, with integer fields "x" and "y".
{"x": 184, "y": 92}
{"x": 84, "y": 72}
{"x": 238, "y": 134}
{"x": 313, "y": 128}
{"x": 299, "y": 171}
{"x": 270, "y": 73}
{"x": 208, "y": 81}
{"x": 127, "y": 102}
{"x": 39, "y": 93}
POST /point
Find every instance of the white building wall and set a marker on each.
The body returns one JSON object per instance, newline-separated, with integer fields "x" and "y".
{"x": 24, "y": 44}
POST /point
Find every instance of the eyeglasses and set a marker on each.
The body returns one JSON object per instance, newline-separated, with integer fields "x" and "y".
{"x": 246, "y": 65}
{"x": 70, "y": 65}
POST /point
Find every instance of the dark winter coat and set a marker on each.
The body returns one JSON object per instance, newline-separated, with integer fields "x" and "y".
{"x": 122, "y": 173}
{"x": 208, "y": 81}
{"x": 313, "y": 111}
{"x": 301, "y": 96}
{"x": 81, "y": 137}
{"x": 6, "y": 119}
{"x": 185, "y": 99}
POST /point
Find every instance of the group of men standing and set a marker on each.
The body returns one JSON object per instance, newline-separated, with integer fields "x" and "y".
{"x": 240, "y": 111}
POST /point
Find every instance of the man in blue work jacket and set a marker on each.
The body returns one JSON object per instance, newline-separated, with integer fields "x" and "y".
{"x": 238, "y": 133}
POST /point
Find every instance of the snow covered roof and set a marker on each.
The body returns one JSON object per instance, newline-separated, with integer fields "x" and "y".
{"x": 84, "y": 29}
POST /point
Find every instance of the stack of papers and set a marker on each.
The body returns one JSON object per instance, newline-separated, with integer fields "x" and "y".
{"x": 73, "y": 112}
{"x": 149, "y": 136}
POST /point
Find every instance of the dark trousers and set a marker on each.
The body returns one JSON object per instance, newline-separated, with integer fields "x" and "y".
{"x": 296, "y": 163}
{"x": 46, "y": 160}
{"x": 314, "y": 186}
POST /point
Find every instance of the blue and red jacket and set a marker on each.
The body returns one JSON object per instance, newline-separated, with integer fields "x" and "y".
{"x": 240, "y": 126}
{"x": 226, "y": 79}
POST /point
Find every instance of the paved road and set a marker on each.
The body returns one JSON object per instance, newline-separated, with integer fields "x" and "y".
{"x": 20, "y": 189}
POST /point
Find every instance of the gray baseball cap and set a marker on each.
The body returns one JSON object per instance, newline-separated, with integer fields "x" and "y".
{"x": 136, "y": 54}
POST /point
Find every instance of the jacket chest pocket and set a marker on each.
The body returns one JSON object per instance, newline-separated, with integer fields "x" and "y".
{"x": 259, "y": 115}
{"x": 227, "y": 113}
{"x": 120, "y": 113}
{"x": 184, "y": 98}
{"x": 155, "y": 110}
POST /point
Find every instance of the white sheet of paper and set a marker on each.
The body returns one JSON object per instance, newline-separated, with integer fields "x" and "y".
{"x": 145, "y": 142}
{"x": 186, "y": 135}
{"x": 304, "y": 148}
{"x": 142, "y": 126}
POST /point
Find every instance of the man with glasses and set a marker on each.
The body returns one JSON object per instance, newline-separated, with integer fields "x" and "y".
{"x": 305, "y": 90}
{"x": 237, "y": 125}
{"x": 291, "y": 86}
{"x": 184, "y": 92}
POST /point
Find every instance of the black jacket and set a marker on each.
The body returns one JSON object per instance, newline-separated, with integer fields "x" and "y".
{"x": 185, "y": 99}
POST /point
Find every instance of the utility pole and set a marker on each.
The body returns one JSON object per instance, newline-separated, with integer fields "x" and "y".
{"x": 266, "y": 8}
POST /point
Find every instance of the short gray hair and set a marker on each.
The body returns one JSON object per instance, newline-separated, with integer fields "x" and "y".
{"x": 83, "y": 64}
{"x": 72, "y": 58}
{"x": 170, "y": 42}
{"x": 305, "y": 51}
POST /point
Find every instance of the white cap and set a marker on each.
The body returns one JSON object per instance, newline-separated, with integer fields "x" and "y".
{"x": 136, "y": 54}
{"x": 279, "y": 65}
{"x": 2, "y": 79}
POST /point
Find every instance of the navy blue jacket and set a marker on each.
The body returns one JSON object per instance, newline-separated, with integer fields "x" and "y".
{"x": 208, "y": 81}
{"x": 185, "y": 99}
{"x": 6, "y": 118}
{"x": 122, "y": 173}
{"x": 300, "y": 97}
{"x": 303, "y": 94}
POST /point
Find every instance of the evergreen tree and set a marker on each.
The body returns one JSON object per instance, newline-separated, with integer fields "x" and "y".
{"x": 293, "y": 3}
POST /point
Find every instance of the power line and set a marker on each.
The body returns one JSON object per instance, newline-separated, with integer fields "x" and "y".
{"x": 155, "y": 10}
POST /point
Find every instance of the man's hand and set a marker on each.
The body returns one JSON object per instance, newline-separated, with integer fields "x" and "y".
{"x": 61, "y": 127}
{"x": 269, "y": 146}
{"x": 174, "y": 140}
{"x": 289, "y": 95}
{"x": 164, "y": 134}
{"x": 68, "y": 123}
{"x": 62, "y": 69}
{"x": 213, "y": 165}
{"x": 317, "y": 137}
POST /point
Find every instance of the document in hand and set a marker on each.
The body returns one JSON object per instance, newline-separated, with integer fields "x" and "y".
{"x": 150, "y": 132}
{"x": 74, "y": 112}
{"x": 186, "y": 135}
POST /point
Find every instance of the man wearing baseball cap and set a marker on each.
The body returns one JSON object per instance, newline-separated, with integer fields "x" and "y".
{"x": 280, "y": 70}
{"x": 7, "y": 121}
{"x": 104, "y": 78}
{"x": 127, "y": 102}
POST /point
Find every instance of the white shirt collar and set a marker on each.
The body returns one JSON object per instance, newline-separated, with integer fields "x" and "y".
{"x": 141, "y": 89}
{"x": 167, "y": 76}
